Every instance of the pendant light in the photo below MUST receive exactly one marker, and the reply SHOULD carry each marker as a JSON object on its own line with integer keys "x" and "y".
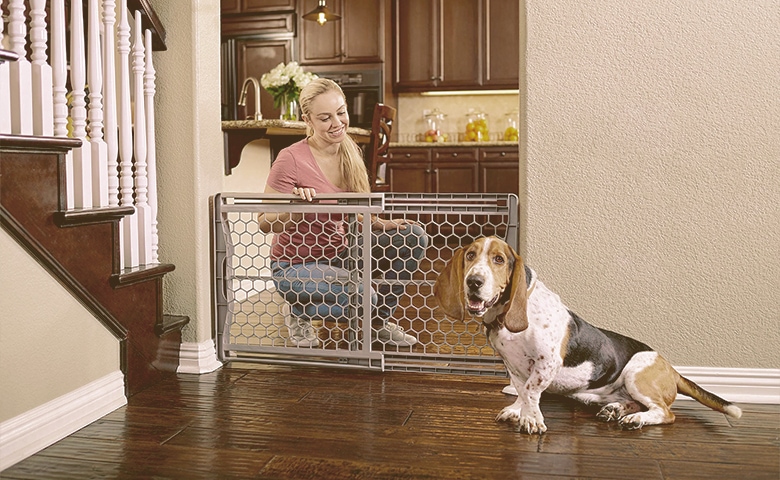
{"x": 321, "y": 14}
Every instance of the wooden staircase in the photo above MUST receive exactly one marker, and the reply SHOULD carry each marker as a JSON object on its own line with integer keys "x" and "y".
{"x": 80, "y": 248}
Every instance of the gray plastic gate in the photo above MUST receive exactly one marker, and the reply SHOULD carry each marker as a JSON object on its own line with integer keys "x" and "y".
{"x": 253, "y": 320}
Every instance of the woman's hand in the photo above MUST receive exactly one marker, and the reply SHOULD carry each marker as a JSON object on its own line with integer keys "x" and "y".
{"x": 305, "y": 193}
{"x": 391, "y": 224}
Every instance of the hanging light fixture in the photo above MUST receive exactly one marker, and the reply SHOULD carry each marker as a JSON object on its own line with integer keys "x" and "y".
{"x": 321, "y": 14}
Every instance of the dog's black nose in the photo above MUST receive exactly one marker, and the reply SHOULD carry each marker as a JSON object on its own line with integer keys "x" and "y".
{"x": 474, "y": 282}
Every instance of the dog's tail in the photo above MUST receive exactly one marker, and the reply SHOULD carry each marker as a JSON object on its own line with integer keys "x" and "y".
{"x": 687, "y": 387}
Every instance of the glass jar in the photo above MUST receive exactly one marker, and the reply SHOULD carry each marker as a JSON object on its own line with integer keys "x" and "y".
{"x": 511, "y": 123}
{"x": 477, "y": 127}
{"x": 436, "y": 127}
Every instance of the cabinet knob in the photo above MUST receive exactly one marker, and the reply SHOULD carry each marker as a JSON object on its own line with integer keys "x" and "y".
{"x": 503, "y": 154}
{"x": 454, "y": 154}
{"x": 408, "y": 155}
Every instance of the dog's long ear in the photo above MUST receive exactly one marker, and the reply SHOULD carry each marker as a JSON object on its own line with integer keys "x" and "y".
{"x": 515, "y": 313}
{"x": 448, "y": 288}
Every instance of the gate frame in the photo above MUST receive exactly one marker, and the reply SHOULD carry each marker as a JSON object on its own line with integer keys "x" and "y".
{"x": 360, "y": 353}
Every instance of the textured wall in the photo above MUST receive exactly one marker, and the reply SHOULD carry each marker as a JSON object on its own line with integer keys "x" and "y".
{"x": 189, "y": 156}
{"x": 50, "y": 344}
{"x": 653, "y": 170}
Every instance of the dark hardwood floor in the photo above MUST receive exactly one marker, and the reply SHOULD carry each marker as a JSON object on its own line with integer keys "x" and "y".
{"x": 280, "y": 422}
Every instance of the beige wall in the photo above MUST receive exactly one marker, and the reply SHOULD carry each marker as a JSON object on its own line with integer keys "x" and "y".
{"x": 653, "y": 170}
{"x": 189, "y": 156}
{"x": 50, "y": 344}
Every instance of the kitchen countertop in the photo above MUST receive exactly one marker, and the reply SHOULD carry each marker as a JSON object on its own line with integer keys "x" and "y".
{"x": 491, "y": 143}
{"x": 282, "y": 127}
{"x": 281, "y": 133}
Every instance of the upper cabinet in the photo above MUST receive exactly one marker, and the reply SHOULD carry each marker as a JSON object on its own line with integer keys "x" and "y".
{"x": 255, "y": 6}
{"x": 356, "y": 38}
{"x": 455, "y": 44}
{"x": 257, "y": 35}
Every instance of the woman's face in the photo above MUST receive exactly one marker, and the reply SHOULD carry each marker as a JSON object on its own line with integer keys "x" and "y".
{"x": 328, "y": 117}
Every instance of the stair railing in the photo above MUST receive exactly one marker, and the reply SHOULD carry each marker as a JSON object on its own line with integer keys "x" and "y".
{"x": 101, "y": 91}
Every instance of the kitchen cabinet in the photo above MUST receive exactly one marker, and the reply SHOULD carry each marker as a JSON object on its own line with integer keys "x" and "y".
{"x": 356, "y": 38}
{"x": 499, "y": 170}
{"x": 255, "y": 6}
{"x": 419, "y": 170}
{"x": 453, "y": 169}
{"x": 251, "y": 46}
{"x": 455, "y": 44}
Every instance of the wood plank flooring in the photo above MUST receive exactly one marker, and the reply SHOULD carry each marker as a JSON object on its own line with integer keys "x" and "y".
{"x": 290, "y": 422}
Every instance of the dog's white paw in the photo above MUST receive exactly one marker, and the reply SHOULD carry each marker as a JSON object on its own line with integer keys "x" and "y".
{"x": 611, "y": 412}
{"x": 526, "y": 421}
{"x": 634, "y": 421}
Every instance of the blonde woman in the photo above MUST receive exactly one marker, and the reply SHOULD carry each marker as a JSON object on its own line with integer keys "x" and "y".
{"x": 308, "y": 252}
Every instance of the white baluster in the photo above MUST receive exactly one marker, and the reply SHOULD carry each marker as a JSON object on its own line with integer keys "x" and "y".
{"x": 151, "y": 149}
{"x": 5, "y": 88}
{"x": 95, "y": 74}
{"x": 20, "y": 72}
{"x": 141, "y": 180}
{"x": 43, "y": 116}
{"x": 109, "y": 100}
{"x": 129, "y": 224}
{"x": 82, "y": 160}
{"x": 59, "y": 64}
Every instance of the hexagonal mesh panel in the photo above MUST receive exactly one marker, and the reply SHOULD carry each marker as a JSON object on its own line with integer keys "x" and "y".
{"x": 368, "y": 301}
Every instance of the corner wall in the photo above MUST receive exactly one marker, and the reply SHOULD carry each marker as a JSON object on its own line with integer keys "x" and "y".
{"x": 653, "y": 171}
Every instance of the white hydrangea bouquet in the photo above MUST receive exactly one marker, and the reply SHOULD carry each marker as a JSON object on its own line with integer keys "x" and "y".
{"x": 284, "y": 83}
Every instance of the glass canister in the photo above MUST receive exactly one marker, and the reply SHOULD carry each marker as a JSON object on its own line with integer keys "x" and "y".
{"x": 511, "y": 122}
{"x": 477, "y": 126}
{"x": 436, "y": 127}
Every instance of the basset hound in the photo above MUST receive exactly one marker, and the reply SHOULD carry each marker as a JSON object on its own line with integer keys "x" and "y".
{"x": 547, "y": 347}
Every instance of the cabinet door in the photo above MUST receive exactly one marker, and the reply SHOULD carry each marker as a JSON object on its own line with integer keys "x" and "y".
{"x": 408, "y": 170}
{"x": 253, "y": 59}
{"x": 459, "y": 49}
{"x": 499, "y": 170}
{"x": 454, "y": 170}
{"x": 356, "y": 38}
{"x": 319, "y": 44}
{"x": 267, "y": 5}
{"x": 363, "y": 31}
{"x": 502, "y": 44}
{"x": 416, "y": 43}
{"x": 229, "y": 6}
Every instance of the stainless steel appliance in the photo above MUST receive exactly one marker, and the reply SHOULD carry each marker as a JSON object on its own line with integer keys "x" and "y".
{"x": 363, "y": 89}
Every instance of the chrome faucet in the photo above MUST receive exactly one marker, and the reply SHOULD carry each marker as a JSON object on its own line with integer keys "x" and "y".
{"x": 242, "y": 98}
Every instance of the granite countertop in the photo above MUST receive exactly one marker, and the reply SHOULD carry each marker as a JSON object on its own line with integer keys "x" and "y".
{"x": 490, "y": 143}
{"x": 281, "y": 127}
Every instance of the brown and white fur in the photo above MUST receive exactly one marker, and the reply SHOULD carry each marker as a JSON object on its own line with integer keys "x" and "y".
{"x": 546, "y": 347}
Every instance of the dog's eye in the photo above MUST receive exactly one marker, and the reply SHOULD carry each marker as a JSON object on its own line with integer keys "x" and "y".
{"x": 498, "y": 260}
{"x": 470, "y": 256}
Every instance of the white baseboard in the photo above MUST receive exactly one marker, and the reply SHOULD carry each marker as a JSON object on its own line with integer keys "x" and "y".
{"x": 198, "y": 357}
{"x": 42, "y": 426}
{"x": 738, "y": 385}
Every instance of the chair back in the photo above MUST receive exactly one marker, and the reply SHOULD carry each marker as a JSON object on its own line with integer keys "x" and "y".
{"x": 379, "y": 144}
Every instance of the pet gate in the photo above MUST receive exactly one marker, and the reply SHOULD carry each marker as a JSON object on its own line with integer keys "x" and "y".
{"x": 258, "y": 315}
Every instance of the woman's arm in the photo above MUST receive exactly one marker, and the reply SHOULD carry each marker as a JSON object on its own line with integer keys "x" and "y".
{"x": 278, "y": 222}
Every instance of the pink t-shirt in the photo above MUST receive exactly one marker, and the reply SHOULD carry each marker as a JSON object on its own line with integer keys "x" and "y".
{"x": 317, "y": 236}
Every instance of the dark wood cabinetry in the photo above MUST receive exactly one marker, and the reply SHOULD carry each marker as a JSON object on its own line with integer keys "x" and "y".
{"x": 253, "y": 42}
{"x": 499, "y": 170}
{"x": 356, "y": 38}
{"x": 255, "y": 6}
{"x": 453, "y": 169}
{"x": 455, "y": 44}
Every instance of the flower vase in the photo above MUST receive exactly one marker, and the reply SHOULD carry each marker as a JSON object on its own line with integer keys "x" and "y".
{"x": 289, "y": 107}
